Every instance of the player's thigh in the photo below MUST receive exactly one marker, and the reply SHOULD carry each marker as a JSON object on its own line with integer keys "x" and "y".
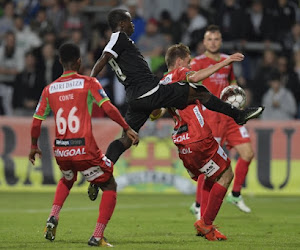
{"x": 136, "y": 119}
{"x": 173, "y": 95}
{"x": 68, "y": 170}
{"x": 235, "y": 134}
{"x": 226, "y": 177}
{"x": 245, "y": 151}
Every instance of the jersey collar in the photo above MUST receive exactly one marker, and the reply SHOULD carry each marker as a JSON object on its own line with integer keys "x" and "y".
{"x": 68, "y": 73}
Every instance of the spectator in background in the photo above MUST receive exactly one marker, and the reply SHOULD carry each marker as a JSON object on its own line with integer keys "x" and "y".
{"x": 285, "y": 18}
{"x": 50, "y": 65}
{"x": 261, "y": 23}
{"x": 28, "y": 87}
{"x": 195, "y": 28}
{"x": 168, "y": 27}
{"x": 231, "y": 18}
{"x": 25, "y": 38}
{"x": 41, "y": 25}
{"x": 138, "y": 21}
{"x": 7, "y": 20}
{"x": 263, "y": 74}
{"x": 288, "y": 76}
{"x": 27, "y": 8}
{"x": 152, "y": 45}
{"x": 11, "y": 63}
{"x": 56, "y": 14}
{"x": 79, "y": 40}
{"x": 279, "y": 102}
{"x": 74, "y": 20}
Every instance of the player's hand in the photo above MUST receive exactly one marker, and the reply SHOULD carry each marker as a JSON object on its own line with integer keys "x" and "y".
{"x": 32, "y": 154}
{"x": 236, "y": 57}
{"x": 133, "y": 136}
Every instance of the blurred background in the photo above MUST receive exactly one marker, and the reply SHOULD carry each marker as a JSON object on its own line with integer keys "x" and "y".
{"x": 267, "y": 32}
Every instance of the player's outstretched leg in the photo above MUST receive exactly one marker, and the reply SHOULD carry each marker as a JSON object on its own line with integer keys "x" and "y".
{"x": 62, "y": 191}
{"x": 106, "y": 209}
{"x": 248, "y": 114}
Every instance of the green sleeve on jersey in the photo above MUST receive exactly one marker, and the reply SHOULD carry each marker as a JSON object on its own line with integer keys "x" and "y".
{"x": 91, "y": 100}
{"x": 46, "y": 113}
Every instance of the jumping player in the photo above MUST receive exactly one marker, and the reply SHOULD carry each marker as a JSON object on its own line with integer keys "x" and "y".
{"x": 71, "y": 97}
{"x": 199, "y": 151}
{"x": 143, "y": 91}
{"x": 223, "y": 127}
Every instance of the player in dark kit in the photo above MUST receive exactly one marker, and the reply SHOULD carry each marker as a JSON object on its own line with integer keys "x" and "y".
{"x": 71, "y": 97}
{"x": 143, "y": 91}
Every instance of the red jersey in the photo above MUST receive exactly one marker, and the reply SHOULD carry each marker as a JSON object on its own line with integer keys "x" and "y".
{"x": 70, "y": 98}
{"x": 220, "y": 79}
{"x": 189, "y": 123}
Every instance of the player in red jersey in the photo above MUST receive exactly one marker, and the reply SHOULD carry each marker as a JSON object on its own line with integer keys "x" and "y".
{"x": 224, "y": 128}
{"x": 70, "y": 98}
{"x": 200, "y": 152}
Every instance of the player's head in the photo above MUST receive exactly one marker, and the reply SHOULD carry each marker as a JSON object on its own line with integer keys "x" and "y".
{"x": 69, "y": 56}
{"x": 178, "y": 55}
{"x": 120, "y": 20}
{"x": 212, "y": 39}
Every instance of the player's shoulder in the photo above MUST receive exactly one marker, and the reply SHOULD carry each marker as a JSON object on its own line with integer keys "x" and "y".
{"x": 200, "y": 57}
{"x": 224, "y": 56}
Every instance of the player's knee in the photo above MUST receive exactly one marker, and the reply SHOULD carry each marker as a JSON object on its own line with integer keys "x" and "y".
{"x": 126, "y": 142}
{"x": 247, "y": 155}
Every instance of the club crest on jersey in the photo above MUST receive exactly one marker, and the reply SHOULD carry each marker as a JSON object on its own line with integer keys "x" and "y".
{"x": 166, "y": 80}
{"x": 102, "y": 93}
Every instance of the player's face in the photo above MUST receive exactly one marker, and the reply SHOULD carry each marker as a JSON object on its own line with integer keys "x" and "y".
{"x": 186, "y": 62}
{"x": 127, "y": 25}
{"x": 212, "y": 41}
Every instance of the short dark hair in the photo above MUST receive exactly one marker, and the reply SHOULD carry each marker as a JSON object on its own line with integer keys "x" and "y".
{"x": 69, "y": 53}
{"x": 213, "y": 28}
{"x": 177, "y": 50}
{"x": 115, "y": 17}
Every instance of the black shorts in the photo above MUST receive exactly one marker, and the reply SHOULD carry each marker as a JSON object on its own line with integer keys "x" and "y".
{"x": 173, "y": 95}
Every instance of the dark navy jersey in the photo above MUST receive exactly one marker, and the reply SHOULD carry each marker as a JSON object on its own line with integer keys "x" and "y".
{"x": 130, "y": 66}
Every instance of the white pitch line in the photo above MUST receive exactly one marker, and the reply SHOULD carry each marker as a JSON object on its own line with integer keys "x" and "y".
{"x": 70, "y": 209}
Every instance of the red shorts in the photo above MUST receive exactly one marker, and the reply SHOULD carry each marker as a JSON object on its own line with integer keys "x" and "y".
{"x": 225, "y": 129}
{"x": 204, "y": 157}
{"x": 97, "y": 170}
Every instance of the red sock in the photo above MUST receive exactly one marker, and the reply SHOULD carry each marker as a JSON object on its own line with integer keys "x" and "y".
{"x": 215, "y": 201}
{"x": 206, "y": 188}
{"x": 199, "y": 188}
{"x": 107, "y": 206}
{"x": 241, "y": 171}
{"x": 62, "y": 191}
{"x": 106, "y": 209}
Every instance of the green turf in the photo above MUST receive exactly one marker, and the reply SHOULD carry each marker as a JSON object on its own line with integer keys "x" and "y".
{"x": 148, "y": 222}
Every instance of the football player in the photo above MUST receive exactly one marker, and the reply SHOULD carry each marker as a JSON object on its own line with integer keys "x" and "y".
{"x": 70, "y": 98}
{"x": 199, "y": 151}
{"x": 224, "y": 129}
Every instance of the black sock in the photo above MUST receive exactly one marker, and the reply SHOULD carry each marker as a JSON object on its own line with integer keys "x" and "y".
{"x": 236, "y": 194}
{"x": 216, "y": 104}
{"x": 114, "y": 150}
{"x": 197, "y": 204}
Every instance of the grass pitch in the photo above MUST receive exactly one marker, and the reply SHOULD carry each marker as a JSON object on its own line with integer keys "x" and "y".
{"x": 159, "y": 221}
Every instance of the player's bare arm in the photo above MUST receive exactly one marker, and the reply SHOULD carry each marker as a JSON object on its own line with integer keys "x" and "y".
{"x": 204, "y": 73}
{"x": 35, "y": 133}
{"x": 101, "y": 62}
